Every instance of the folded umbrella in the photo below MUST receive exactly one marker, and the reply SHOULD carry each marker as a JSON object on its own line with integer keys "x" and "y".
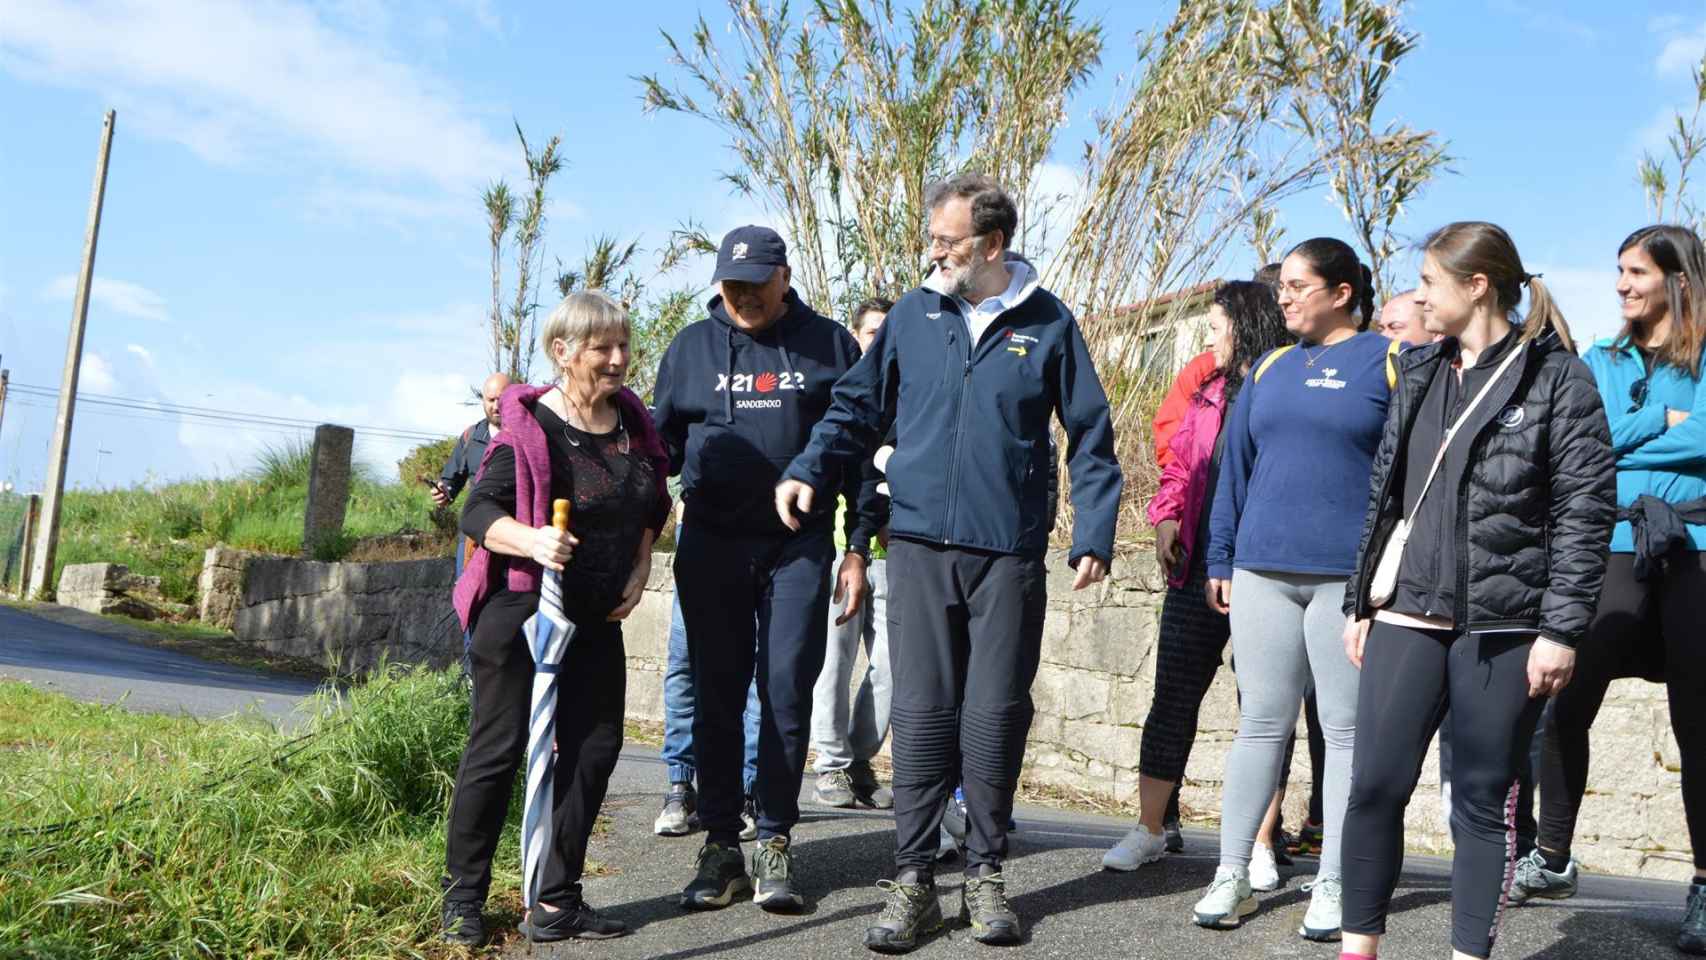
{"x": 548, "y": 635}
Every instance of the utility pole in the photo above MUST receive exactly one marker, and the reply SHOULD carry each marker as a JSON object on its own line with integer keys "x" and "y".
{"x": 53, "y": 493}
{"x": 5, "y": 378}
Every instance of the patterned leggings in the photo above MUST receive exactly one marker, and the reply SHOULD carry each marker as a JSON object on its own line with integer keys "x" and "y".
{"x": 1192, "y": 639}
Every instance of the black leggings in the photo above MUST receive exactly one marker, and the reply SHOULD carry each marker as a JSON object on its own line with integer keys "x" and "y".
{"x": 1649, "y": 629}
{"x": 1409, "y": 678}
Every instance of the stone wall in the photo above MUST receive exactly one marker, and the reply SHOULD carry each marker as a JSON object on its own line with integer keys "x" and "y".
{"x": 355, "y": 615}
{"x": 1092, "y": 691}
{"x": 110, "y": 588}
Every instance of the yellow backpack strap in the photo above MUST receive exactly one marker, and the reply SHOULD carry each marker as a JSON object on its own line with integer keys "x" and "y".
{"x": 1265, "y": 364}
{"x": 1392, "y": 365}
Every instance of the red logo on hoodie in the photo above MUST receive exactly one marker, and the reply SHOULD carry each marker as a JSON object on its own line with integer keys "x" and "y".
{"x": 765, "y": 383}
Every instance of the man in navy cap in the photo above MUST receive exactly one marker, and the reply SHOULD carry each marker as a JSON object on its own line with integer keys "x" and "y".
{"x": 737, "y": 396}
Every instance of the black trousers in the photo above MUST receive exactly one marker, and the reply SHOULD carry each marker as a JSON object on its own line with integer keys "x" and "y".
{"x": 589, "y": 740}
{"x": 752, "y": 604}
{"x": 1647, "y": 629}
{"x": 965, "y": 637}
{"x": 1409, "y": 678}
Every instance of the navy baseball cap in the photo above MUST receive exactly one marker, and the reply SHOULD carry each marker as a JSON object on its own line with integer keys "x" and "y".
{"x": 750, "y": 254}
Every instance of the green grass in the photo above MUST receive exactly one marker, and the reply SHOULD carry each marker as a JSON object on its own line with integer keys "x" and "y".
{"x": 184, "y": 844}
{"x": 165, "y": 530}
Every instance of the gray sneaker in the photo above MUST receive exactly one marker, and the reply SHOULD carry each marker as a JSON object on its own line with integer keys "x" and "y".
{"x": 773, "y": 881}
{"x": 1228, "y": 900}
{"x": 868, "y": 789}
{"x": 834, "y": 789}
{"x": 678, "y": 818}
{"x": 1533, "y": 880}
{"x": 910, "y": 912}
{"x": 1692, "y": 937}
{"x": 983, "y": 905}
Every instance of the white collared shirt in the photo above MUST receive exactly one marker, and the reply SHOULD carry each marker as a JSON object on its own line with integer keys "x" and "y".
{"x": 979, "y": 317}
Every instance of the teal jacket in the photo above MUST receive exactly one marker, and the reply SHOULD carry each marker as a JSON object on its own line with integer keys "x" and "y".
{"x": 1669, "y": 463}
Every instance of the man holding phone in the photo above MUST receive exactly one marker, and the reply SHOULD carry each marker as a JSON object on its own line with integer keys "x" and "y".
{"x": 470, "y": 447}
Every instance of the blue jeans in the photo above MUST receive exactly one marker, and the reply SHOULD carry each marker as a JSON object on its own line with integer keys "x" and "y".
{"x": 678, "y": 710}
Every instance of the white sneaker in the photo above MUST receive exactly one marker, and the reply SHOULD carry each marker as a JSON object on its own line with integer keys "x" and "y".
{"x": 1227, "y": 902}
{"x": 1264, "y": 872}
{"x": 1136, "y": 849}
{"x": 1325, "y": 911}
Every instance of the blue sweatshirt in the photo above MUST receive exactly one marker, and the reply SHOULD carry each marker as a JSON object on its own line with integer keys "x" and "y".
{"x": 972, "y": 465}
{"x": 1300, "y": 444}
{"x": 734, "y": 408}
{"x": 1652, "y": 457}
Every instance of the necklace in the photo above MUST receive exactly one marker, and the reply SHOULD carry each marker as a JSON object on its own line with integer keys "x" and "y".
{"x": 1309, "y": 361}
{"x": 568, "y": 434}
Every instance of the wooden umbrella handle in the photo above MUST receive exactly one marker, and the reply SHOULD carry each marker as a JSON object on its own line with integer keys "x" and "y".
{"x": 560, "y": 515}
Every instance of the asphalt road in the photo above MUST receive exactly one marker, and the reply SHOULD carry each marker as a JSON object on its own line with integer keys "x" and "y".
{"x": 98, "y": 668}
{"x": 1072, "y": 908}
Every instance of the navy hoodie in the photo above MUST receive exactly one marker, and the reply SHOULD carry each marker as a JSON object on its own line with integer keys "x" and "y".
{"x": 734, "y": 408}
{"x": 972, "y": 465}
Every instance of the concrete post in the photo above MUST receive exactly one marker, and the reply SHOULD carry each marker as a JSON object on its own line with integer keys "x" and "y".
{"x": 32, "y": 518}
{"x": 328, "y": 488}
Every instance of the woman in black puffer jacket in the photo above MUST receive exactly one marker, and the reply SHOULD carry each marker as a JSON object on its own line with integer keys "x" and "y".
{"x": 1510, "y": 514}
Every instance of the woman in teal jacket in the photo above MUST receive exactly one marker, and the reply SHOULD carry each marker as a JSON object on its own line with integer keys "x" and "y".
{"x": 1652, "y": 609}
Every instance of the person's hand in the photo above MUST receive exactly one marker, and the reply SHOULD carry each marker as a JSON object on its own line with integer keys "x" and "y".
{"x": 1169, "y": 552}
{"x": 552, "y": 548}
{"x": 439, "y": 496}
{"x": 1219, "y": 595}
{"x": 1356, "y": 635}
{"x": 850, "y": 583}
{"x": 1674, "y": 417}
{"x": 793, "y": 500}
{"x": 1550, "y": 665}
{"x": 1090, "y": 570}
{"x": 635, "y": 590}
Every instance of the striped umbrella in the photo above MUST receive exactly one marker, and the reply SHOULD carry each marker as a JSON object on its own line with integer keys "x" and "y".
{"x": 548, "y": 635}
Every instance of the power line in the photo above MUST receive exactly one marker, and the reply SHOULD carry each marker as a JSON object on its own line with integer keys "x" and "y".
{"x": 212, "y": 415}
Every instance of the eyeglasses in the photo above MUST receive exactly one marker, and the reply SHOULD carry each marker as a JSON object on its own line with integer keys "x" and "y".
{"x": 948, "y": 244}
{"x": 1297, "y": 291}
{"x": 1637, "y": 395}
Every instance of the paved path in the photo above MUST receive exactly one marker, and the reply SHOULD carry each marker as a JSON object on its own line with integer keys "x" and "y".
{"x": 91, "y": 666}
{"x": 1073, "y": 909}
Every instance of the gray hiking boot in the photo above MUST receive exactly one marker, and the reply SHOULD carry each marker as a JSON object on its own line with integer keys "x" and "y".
{"x": 983, "y": 905}
{"x": 772, "y": 874}
{"x": 910, "y": 912}
{"x": 1533, "y": 880}
{"x": 834, "y": 789}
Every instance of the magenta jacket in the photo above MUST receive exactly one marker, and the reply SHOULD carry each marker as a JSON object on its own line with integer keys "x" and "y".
{"x": 480, "y": 578}
{"x": 1184, "y": 492}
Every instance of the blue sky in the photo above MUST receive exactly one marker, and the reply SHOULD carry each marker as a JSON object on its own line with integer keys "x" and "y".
{"x": 292, "y": 223}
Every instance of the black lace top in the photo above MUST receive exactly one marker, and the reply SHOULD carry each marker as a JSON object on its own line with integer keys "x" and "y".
{"x": 612, "y": 496}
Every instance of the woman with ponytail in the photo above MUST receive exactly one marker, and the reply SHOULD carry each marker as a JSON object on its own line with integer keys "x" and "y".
{"x": 1293, "y": 482}
{"x": 1480, "y": 564}
{"x": 1653, "y": 604}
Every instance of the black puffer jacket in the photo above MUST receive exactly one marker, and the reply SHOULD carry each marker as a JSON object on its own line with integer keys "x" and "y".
{"x": 1535, "y": 508}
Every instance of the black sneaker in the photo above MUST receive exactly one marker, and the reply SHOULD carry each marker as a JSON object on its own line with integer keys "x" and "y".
{"x": 983, "y": 905}
{"x": 679, "y": 816}
{"x": 773, "y": 883}
{"x": 576, "y": 921}
{"x": 1692, "y": 937}
{"x": 463, "y": 924}
{"x": 910, "y": 912}
{"x": 868, "y": 789}
{"x": 721, "y": 877}
{"x": 1174, "y": 837}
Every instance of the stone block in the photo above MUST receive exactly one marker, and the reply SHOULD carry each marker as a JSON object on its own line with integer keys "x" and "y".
{"x": 328, "y": 487}
{"x": 1099, "y": 741}
{"x": 1105, "y": 639}
{"x": 1083, "y": 695}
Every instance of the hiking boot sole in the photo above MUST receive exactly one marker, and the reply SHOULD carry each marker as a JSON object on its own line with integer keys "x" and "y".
{"x": 999, "y": 933}
{"x": 1318, "y": 935}
{"x": 731, "y": 890}
{"x": 1226, "y": 921}
{"x": 1550, "y": 894}
{"x": 779, "y": 901}
{"x": 673, "y": 827}
{"x": 928, "y": 924}
{"x": 840, "y": 803}
{"x": 547, "y": 935}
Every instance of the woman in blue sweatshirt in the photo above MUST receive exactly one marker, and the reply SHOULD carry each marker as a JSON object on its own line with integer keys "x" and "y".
{"x": 1293, "y": 488}
{"x": 1653, "y": 605}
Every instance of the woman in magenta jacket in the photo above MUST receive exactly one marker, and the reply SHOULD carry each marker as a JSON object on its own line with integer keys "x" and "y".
{"x": 1244, "y": 322}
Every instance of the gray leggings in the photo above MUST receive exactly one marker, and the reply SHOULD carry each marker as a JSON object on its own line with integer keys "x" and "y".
{"x": 1286, "y": 630}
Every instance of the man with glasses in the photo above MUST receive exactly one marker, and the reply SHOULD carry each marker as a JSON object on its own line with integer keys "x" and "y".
{"x": 970, "y": 369}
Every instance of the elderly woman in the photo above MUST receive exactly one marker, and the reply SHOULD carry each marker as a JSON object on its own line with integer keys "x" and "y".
{"x": 588, "y": 440}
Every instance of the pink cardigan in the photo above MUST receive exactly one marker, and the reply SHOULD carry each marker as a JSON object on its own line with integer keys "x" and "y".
{"x": 522, "y": 433}
{"x": 1184, "y": 492}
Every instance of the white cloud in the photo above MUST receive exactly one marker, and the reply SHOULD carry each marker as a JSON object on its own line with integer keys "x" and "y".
{"x": 239, "y": 81}
{"x": 1682, "y": 52}
{"x": 119, "y": 296}
{"x": 141, "y": 353}
{"x": 95, "y": 374}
